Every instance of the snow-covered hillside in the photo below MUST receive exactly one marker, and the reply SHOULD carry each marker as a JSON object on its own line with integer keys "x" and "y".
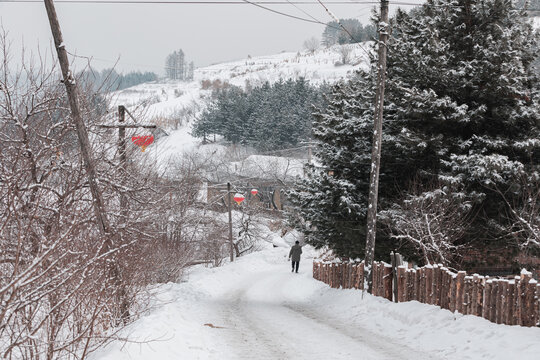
{"x": 169, "y": 97}
{"x": 173, "y": 105}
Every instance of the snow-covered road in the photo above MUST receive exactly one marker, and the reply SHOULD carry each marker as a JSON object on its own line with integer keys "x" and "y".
{"x": 256, "y": 309}
{"x": 262, "y": 323}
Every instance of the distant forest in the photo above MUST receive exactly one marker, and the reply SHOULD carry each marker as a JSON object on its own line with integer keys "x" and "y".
{"x": 110, "y": 80}
{"x": 356, "y": 32}
{"x": 269, "y": 117}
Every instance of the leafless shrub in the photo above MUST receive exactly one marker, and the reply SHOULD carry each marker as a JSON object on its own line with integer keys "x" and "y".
{"x": 431, "y": 219}
{"x": 523, "y": 210}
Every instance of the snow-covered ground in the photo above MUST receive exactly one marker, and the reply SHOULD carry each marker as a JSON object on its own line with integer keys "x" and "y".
{"x": 255, "y": 308}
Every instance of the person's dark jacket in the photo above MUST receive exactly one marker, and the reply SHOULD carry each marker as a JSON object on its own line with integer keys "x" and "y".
{"x": 295, "y": 252}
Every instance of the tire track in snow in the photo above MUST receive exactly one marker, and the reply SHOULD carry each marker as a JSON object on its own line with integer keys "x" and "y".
{"x": 379, "y": 343}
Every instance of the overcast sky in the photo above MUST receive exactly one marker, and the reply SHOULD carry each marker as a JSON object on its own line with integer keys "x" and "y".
{"x": 142, "y": 35}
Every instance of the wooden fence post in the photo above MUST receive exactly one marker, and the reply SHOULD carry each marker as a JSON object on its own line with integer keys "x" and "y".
{"x": 460, "y": 287}
{"x": 437, "y": 278}
{"x": 494, "y": 292}
{"x": 374, "y": 279}
{"x": 452, "y": 291}
{"x": 429, "y": 285}
{"x": 527, "y": 299}
{"x": 388, "y": 280}
{"x": 487, "y": 299}
{"x": 502, "y": 308}
{"x": 467, "y": 295}
{"x": 401, "y": 283}
{"x": 510, "y": 302}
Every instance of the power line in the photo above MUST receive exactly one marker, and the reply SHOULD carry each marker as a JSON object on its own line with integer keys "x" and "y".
{"x": 230, "y": 2}
{"x": 281, "y": 13}
{"x": 189, "y": 2}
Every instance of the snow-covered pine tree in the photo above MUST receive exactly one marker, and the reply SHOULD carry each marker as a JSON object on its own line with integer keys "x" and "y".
{"x": 465, "y": 108}
{"x": 331, "y": 201}
{"x": 461, "y": 112}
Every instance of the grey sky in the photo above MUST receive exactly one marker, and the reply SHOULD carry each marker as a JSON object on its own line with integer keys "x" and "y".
{"x": 142, "y": 35}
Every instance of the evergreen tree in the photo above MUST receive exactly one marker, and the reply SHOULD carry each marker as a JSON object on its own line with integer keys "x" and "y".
{"x": 464, "y": 100}
{"x": 332, "y": 199}
{"x": 268, "y": 117}
{"x": 461, "y": 112}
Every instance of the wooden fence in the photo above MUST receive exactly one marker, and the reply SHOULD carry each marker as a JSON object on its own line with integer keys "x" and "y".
{"x": 502, "y": 301}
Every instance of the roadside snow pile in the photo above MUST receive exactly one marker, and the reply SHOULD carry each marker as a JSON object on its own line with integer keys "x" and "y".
{"x": 255, "y": 308}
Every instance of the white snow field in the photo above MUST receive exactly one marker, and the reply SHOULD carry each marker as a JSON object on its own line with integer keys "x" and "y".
{"x": 255, "y": 308}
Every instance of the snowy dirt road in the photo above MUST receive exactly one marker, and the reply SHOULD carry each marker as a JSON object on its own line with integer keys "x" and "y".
{"x": 262, "y": 324}
{"x": 256, "y": 308}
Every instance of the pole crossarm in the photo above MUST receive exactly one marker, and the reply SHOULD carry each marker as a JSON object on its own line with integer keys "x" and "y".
{"x": 126, "y": 126}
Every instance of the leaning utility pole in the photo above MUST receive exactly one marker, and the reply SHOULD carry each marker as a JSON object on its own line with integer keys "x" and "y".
{"x": 377, "y": 139}
{"x": 86, "y": 152}
{"x": 230, "y": 220}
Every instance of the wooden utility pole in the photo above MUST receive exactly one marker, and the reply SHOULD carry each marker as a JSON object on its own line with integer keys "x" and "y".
{"x": 123, "y": 161}
{"x": 86, "y": 152}
{"x": 230, "y": 221}
{"x": 121, "y": 126}
{"x": 377, "y": 139}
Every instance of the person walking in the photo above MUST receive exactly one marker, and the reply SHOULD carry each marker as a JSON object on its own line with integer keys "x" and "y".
{"x": 294, "y": 254}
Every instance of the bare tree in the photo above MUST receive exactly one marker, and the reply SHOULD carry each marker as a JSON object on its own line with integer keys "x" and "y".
{"x": 311, "y": 44}
{"x": 59, "y": 298}
{"x": 344, "y": 52}
{"x": 523, "y": 210}
{"x": 432, "y": 221}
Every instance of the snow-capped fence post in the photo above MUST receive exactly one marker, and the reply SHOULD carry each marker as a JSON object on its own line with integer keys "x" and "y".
{"x": 437, "y": 273}
{"x": 351, "y": 275}
{"x": 510, "y": 302}
{"x": 467, "y": 295}
{"x": 537, "y": 306}
{"x": 517, "y": 302}
{"x": 388, "y": 280}
{"x": 360, "y": 284}
{"x": 460, "y": 287}
{"x": 499, "y": 306}
{"x": 452, "y": 306}
{"x": 445, "y": 289}
{"x": 527, "y": 298}
{"x": 429, "y": 285}
{"x": 410, "y": 277}
{"x": 480, "y": 296}
{"x": 493, "y": 301}
{"x": 450, "y": 289}
{"x": 487, "y": 299}
{"x": 374, "y": 278}
{"x": 421, "y": 285}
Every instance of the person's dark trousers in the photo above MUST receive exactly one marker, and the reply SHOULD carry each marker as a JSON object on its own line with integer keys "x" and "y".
{"x": 295, "y": 264}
